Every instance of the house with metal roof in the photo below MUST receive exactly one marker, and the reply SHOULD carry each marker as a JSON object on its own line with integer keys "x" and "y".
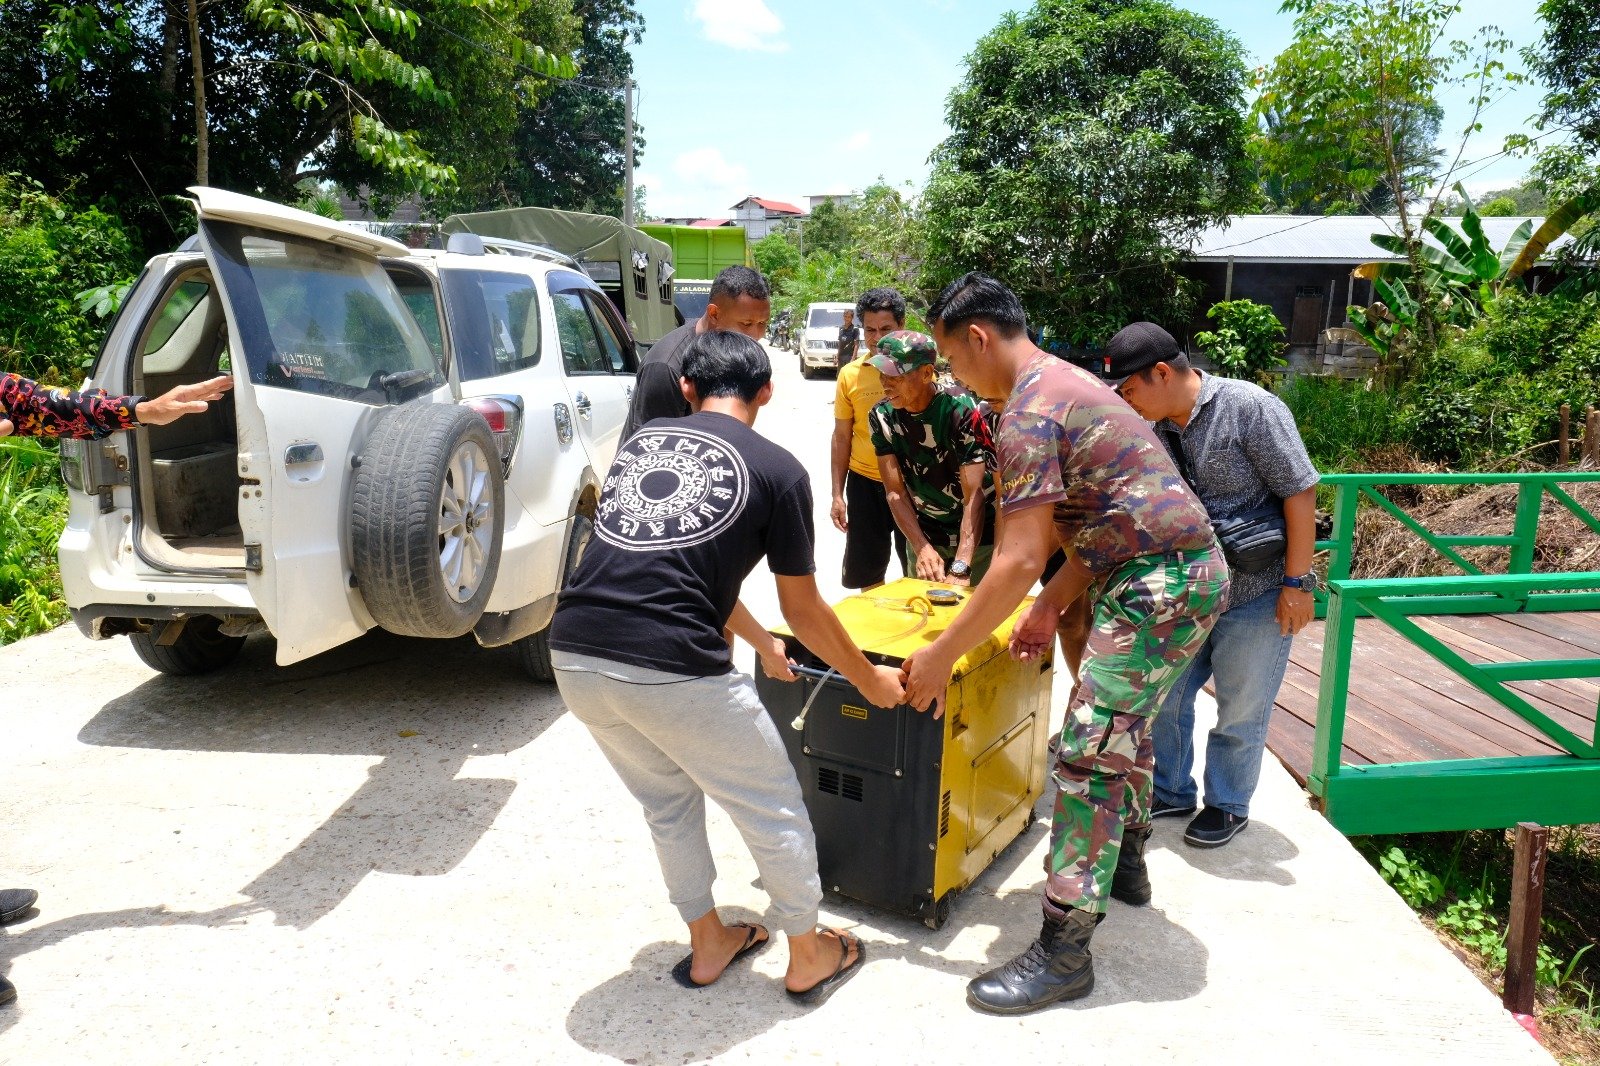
{"x": 760, "y": 217}
{"x": 1301, "y": 265}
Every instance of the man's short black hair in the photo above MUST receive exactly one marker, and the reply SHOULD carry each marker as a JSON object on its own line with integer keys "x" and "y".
{"x": 977, "y": 296}
{"x": 737, "y": 281}
{"x": 720, "y": 362}
{"x": 882, "y": 299}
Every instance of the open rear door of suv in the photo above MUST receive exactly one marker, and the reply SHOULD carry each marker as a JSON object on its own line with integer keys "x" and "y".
{"x": 320, "y": 343}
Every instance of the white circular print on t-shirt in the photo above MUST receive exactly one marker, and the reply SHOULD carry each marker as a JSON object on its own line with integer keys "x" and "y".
{"x": 672, "y": 488}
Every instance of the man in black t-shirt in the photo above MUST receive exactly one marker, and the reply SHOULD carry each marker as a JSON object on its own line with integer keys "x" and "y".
{"x": 740, "y": 301}
{"x": 849, "y": 339}
{"x": 688, "y": 508}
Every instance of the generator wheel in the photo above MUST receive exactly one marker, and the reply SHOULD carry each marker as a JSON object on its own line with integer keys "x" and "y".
{"x": 427, "y": 509}
{"x": 935, "y": 917}
{"x": 534, "y": 650}
{"x": 199, "y": 649}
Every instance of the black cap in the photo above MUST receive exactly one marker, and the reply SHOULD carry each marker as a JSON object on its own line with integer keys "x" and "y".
{"x": 1137, "y": 347}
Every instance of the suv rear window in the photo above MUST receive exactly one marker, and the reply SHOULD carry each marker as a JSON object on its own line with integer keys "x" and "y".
{"x": 494, "y": 321}
{"x": 316, "y": 318}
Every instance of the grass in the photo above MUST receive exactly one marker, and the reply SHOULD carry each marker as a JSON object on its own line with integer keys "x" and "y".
{"x": 32, "y": 513}
{"x": 1341, "y": 421}
{"x": 1460, "y": 884}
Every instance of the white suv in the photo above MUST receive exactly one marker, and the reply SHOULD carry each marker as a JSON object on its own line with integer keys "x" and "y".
{"x": 415, "y": 441}
{"x": 820, "y": 337}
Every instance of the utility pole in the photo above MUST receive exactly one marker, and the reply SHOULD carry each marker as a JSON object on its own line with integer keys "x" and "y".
{"x": 627, "y": 152}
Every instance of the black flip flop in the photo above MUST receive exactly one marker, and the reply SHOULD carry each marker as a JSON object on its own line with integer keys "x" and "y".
{"x": 818, "y": 994}
{"x": 680, "y": 972}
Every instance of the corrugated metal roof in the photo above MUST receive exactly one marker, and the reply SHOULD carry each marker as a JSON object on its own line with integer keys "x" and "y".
{"x": 1318, "y": 239}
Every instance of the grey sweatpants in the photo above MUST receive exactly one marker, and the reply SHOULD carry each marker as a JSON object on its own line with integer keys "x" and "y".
{"x": 674, "y": 740}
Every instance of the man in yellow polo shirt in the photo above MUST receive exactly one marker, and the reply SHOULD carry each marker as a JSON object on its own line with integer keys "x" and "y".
{"x": 860, "y": 507}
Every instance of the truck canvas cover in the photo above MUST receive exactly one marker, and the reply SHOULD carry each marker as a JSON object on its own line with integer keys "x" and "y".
{"x": 635, "y": 270}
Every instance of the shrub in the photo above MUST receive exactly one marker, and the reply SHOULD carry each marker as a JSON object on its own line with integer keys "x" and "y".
{"x": 1494, "y": 391}
{"x": 49, "y": 253}
{"x": 1341, "y": 420}
{"x": 32, "y": 512}
{"x": 1248, "y": 341}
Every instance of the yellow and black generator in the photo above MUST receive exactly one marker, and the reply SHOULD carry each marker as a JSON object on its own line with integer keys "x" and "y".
{"x": 909, "y": 809}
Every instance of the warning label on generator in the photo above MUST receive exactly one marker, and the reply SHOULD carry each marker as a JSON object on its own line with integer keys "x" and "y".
{"x": 853, "y": 712}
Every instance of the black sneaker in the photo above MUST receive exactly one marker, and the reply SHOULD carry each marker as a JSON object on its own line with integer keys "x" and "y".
{"x": 1213, "y": 827}
{"x": 1160, "y": 809}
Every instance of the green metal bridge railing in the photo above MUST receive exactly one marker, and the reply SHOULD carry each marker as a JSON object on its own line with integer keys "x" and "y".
{"x": 1532, "y": 488}
{"x": 1559, "y": 789}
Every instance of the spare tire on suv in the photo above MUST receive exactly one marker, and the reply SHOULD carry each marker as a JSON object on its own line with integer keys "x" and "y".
{"x": 427, "y": 510}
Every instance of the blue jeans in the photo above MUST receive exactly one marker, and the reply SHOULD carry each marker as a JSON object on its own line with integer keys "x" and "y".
{"x": 1247, "y": 654}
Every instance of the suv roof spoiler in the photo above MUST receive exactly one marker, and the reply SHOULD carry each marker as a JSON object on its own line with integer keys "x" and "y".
{"x": 476, "y": 244}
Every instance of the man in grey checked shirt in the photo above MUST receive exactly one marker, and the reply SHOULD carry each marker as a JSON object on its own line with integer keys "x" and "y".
{"x": 1241, "y": 452}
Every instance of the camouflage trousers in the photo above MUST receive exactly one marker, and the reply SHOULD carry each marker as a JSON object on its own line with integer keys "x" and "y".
{"x": 1150, "y": 618}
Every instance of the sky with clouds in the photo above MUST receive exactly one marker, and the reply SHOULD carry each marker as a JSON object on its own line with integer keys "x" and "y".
{"x": 787, "y": 98}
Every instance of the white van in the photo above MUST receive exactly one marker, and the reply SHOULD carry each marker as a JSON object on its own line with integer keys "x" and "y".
{"x": 819, "y": 344}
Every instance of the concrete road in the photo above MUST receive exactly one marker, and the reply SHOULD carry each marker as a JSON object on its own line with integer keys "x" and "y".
{"x": 404, "y": 852}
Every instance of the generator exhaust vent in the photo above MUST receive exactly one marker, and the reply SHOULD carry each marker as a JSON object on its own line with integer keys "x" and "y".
{"x": 828, "y": 780}
{"x": 944, "y": 814}
{"x": 854, "y": 788}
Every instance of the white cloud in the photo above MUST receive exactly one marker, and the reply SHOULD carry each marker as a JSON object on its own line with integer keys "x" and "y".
{"x": 747, "y": 25}
{"x": 700, "y": 182}
{"x": 859, "y": 141}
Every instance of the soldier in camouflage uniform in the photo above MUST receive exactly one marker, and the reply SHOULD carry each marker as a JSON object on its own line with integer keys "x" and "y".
{"x": 1079, "y": 470}
{"x": 934, "y": 452}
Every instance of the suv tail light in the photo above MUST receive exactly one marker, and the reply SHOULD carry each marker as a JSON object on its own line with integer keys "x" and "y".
{"x": 504, "y": 415}
{"x": 73, "y": 455}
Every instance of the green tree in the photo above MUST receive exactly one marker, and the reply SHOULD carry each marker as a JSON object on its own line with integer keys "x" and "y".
{"x": 830, "y": 228}
{"x": 1294, "y": 190}
{"x": 1567, "y": 61}
{"x": 568, "y": 143}
{"x": 103, "y": 99}
{"x": 1353, "y": 91}
{"x": 1091, "y": 140}
{"x": 776, "y": 257}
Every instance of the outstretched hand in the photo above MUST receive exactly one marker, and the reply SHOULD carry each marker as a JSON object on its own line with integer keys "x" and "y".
{"x": 926, "y": 676}
{"x": 775, "y": 661}
{"x": 183, "y": 400}
{"x": 1035, "y": 630}
{"x": 885, "y": 689}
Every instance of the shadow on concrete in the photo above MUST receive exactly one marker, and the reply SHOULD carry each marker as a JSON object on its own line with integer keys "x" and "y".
{"x": 423, "y": 707}
{"x": 1258, "y": 853}
{"x": 18, "y": 939}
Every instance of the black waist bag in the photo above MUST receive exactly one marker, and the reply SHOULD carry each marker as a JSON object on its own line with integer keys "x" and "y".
{"x": 1251, "y": 542}
{"x": 1254, "y": 541}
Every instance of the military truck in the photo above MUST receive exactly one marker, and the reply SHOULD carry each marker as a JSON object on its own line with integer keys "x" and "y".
{"x": 634, "y": 269}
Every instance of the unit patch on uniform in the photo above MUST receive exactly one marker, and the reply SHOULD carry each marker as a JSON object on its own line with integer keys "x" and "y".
{"x": 671, "y": 488}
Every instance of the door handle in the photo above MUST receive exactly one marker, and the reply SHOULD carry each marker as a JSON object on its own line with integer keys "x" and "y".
{"x": 296, "y": 454}
{"x": 584, "y": 406}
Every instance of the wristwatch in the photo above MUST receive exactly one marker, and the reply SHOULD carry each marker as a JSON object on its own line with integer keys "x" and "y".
{"x": 959, "y": 569}
{"x": 1305, "y": 582}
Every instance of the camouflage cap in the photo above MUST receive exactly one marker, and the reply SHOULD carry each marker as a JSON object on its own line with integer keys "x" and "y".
{"x": 902, "y": 352}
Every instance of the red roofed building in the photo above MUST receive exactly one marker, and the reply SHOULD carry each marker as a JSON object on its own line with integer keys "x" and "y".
{"x": 760, "y": 217}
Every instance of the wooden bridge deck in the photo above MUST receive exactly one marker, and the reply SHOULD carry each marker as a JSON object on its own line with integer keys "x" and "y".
{"x": 1406, "y": 706}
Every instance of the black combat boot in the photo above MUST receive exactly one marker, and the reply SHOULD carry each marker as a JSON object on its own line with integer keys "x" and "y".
{"x": 1056, "y": 966}
{"x": 1131, "y": 882}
